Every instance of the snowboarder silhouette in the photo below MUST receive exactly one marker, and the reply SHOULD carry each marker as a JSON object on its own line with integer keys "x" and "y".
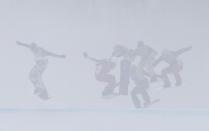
{"x": 147, "y": 55}
{"x": 175, "y": 66}
{"x": 102, "y": 74}
{"x": 120, "y": 51}
{"x": 41, "y": 63}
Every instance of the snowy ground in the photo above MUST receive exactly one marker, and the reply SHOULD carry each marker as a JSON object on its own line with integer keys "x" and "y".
{"x": 103, "y": 120}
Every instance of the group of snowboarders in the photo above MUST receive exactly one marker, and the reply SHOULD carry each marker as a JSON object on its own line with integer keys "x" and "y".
{"x": 138, "y": 65}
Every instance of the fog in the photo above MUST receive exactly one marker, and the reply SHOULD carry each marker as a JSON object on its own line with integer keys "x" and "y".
{"x": 72, "y": 27}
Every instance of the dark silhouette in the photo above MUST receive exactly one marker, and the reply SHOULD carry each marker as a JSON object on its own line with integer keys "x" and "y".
{"x": 102, "y": 74}
{"x": 147, "y": 55}
{"x": 125, "y": 66}
{"x": 141, "y": 82}
{"x": 41, "y": 60}
{"x": 175, "y": 66}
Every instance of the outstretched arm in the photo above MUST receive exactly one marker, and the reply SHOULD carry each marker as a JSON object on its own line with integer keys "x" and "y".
{"x": 183, "y": 50}
{"x": 55, "y": 55}
{"x": 23, "y": 44}
{"x": 91, "y": 58}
